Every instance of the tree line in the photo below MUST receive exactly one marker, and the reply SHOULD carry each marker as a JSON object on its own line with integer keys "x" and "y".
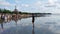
{"x": 7, "y": 11}
{"x": 11, "y": 12}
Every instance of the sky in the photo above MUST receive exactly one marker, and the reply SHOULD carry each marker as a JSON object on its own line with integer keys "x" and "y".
{"x": 33, "y": 6}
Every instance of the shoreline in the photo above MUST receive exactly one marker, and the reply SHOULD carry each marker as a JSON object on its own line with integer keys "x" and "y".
{"x": 9, "y": 16}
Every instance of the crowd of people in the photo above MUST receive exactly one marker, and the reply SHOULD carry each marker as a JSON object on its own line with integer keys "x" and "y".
{"x": 5, "y": 16}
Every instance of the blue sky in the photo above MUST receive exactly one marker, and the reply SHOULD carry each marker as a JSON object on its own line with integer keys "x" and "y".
{"x": 39, "y": 6}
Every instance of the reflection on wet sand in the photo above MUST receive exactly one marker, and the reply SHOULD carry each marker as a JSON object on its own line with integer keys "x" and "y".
{"x": 2, "y": 25}
{"x": 15, "y": 20}
{"x": 33, "y": 29}
{"x": 1, "y": 22}
{"x": 29, "y": 29}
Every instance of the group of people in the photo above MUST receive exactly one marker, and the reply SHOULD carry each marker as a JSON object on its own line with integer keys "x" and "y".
{"x": 3, "y": 16}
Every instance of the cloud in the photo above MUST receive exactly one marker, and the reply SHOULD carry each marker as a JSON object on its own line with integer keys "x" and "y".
{"x": 52, "y": 1}
{"x": 17, "y": 1}
{"x": 51, "y": 6}
{"x": 5, "y": 3}
{"x": 35, "y": 6}
{"x": 25, "y": 5}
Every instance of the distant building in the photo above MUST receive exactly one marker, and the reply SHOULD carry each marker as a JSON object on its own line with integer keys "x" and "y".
{"x": 15, "y": 11}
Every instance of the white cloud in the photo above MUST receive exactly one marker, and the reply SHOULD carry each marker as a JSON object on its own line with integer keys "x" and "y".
{"x": 3, "y": 2}
{"x": 37, "y": 4}
{"x": 17, "y": 1}
{"x": 25, "y": 5}
{"x": 50, "y": 6}
{"x": 52, "y": 2}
